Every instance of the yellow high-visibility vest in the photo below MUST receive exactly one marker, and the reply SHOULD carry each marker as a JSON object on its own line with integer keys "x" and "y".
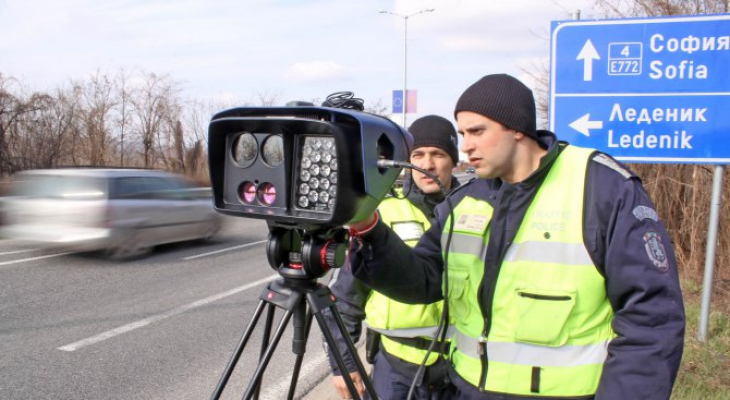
{"x": 393, "y": 318}
{"x": 550, "y": 315}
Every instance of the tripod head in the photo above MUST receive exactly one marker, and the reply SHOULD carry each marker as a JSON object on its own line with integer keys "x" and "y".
{"x": 306, "y": 254}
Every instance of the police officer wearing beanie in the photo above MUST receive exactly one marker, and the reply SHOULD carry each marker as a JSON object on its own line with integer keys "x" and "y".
{"x": 399, "y": 334}
{"x": 561, "y": 281}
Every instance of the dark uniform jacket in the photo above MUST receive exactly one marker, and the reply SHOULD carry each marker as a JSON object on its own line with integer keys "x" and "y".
{"x": 352, "y": 294}
{"x": 620, "y": 231}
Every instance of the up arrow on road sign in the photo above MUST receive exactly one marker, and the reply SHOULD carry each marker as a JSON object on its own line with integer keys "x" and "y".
{"x": 588, "y": 54}
{"x": 584, "y": 125}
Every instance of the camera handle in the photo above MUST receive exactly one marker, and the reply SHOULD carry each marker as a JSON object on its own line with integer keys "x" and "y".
{"x": 303, "y": 299}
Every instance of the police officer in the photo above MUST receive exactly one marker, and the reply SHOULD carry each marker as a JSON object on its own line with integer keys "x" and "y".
{"x": 404, "y": 331}
{"x": 561, "y": 280}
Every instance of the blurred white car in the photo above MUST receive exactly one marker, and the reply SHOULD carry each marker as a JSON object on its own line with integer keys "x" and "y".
{"x": 124, "y": 212}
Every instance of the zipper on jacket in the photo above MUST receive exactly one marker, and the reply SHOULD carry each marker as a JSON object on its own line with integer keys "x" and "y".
{"x": 490, "y": 288}
{"x": 485, "y": 362}
{"x": 543, "y": 296}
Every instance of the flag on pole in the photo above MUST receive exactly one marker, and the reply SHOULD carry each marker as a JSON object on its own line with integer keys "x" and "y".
{"x": 398, "y": 101}
{"x": 412, "y": 101}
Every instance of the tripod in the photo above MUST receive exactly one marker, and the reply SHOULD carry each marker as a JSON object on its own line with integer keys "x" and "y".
{"x": 302, "y": 299}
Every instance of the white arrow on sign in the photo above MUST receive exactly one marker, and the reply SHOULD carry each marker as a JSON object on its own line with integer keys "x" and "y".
{"x": 584, "y": 125}
{"x": 588, "y": 53}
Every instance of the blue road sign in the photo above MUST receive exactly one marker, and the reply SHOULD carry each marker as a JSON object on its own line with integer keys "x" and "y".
{"x": 644, "y": 90}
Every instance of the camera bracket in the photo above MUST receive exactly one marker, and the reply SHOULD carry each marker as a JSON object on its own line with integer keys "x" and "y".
{"x": 306, "y": 254}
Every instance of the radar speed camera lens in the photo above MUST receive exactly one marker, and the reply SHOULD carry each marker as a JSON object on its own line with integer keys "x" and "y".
{"x": 245, "y": 149}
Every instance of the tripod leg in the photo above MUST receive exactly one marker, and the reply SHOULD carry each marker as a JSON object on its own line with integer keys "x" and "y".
{"x": 256, "y": 380}
{"x": 270, "y": 311}
{"x": 302, "y": 323}
{"x": 237, "y": 353}
{"x": 332, "y": 344}
{"x": 351, "y": 348}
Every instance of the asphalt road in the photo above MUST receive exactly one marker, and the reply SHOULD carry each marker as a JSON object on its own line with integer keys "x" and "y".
{"x": 78, "y": 326}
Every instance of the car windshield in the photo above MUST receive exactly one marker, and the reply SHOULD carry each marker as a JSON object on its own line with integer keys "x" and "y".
{"x": 59, "y": 186}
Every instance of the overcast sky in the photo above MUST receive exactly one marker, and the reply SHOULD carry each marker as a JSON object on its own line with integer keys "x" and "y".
{"x": 293, "y": 50}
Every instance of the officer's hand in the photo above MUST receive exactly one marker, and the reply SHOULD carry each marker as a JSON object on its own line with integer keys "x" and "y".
{"x": 360, "y": 226}
{"x": 341, "y": 386}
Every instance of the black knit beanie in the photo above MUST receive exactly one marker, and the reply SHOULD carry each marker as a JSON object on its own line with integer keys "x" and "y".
{"x": 435, "y": 131}
{"x": 501, "y": 98}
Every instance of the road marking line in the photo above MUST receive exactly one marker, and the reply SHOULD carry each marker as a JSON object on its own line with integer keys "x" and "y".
{"x": 147, "y": 321}
{"x": 223, "y": 250}
{"x": 315, "y": 368}
{"x": 5, "y": 263}
{"x": 17, "y": 251}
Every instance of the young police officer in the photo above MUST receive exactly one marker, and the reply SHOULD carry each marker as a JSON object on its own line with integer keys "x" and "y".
{"x": 404, "y": 330}
{"x": 562, "y": 282}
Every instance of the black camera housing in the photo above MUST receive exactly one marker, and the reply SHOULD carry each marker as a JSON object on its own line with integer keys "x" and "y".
{"x": 357, "y": 139}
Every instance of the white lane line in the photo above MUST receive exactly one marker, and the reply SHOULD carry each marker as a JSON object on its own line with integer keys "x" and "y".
{"x": 5, "y": 263}
{"x": 315, "y": 369}
{"x": 17, "y": 251}
{"x": 223, "y": 250}
{"x": 156, "y": 318}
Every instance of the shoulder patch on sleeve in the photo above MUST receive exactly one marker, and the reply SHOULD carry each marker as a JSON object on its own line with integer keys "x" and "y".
{"x": 609, "y": 162}
{"x": 644, "y": 212}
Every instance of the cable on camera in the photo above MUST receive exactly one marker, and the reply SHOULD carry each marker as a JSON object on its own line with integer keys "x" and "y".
{"x": 345, "y": 99}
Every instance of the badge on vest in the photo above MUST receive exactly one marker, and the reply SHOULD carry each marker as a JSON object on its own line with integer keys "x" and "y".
{"x": 474, "y": 223}
{"x": 408, "y": 230}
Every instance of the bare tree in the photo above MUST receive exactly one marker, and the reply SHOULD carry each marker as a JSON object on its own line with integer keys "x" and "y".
{"x": 123, "y": 120}
{"x": 179, "y": 147}
{"x": 16, "y": 113}
{"x": 195, "y": 122}
{"x": 194, "y": 160}
{"x": 8, "y": 115}
{"x": 378, "y": 107}
{"x": 656, "y": 8}
{"x": 153, "y": 105}
{"x": 51, "y": 129}
{"x": 98, "y": 103}
{"x": 267, "y": 99}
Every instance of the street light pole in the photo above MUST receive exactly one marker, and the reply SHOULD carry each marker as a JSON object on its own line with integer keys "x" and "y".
{"x": 405, "y": 55}
{"x": 405, "y": 70}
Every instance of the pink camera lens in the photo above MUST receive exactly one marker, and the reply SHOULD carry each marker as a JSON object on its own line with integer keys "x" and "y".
{"x": 267, "y": 194}
{"x": 248, "y": 192}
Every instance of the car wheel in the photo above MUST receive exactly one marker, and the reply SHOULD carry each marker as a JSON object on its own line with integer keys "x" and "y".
{"x": 131, "y": 246}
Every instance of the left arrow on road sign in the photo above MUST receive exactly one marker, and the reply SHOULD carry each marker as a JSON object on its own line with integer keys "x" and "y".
{"x": 584, "y": 125}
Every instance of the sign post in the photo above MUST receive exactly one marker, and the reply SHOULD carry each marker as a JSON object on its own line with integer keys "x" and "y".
{"x": 647, "y": 90}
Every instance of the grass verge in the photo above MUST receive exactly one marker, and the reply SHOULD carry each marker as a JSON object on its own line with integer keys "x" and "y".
{"x": 705, "y": 369}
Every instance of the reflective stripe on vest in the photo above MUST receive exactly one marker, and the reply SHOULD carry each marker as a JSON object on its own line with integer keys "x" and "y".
{"x": 546, "y": 252}
{"x": 528, "y": 354}
{"x": 550, "y": 324}
{"x": 393, "y": 318}
{"x": 429, "y": 332}
{"x": 465, "y": 244}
